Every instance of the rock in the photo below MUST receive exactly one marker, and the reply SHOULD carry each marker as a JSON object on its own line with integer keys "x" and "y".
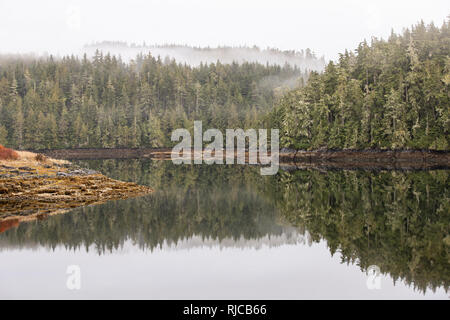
{"x": 25, "y": 193}
{"x": 25, "y": 173}
{"x": 288, "y": 168}
{"x": 77, "y": 172}
{"x": 287, "y": 150}
{"x": 43, "y": 176}
{"x": 26, "y": 169}
{"x": 63, "y": 174}
{"x": 83, "y": 172}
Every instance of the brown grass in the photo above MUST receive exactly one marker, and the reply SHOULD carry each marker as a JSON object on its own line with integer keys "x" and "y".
{"x": 30, "y": 159}
{"x": 8, "y": 154}
{"x": 40, "y": 158}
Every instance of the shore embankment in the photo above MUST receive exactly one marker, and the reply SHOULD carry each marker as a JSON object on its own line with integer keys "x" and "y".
{"x": 339, "y": 159}
{"x": 31, "y": 188}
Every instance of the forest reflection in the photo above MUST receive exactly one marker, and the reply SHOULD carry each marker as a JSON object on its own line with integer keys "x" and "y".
{"x": 399, "y": 221}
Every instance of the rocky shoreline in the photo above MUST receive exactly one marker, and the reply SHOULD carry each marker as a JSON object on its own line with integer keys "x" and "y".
{"x": 37, "y": 190}
{"x": 339, "y": 159}
{"x": 367, "y": 159}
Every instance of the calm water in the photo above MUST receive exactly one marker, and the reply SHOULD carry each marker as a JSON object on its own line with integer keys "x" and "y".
{"x": 213, "y": 232}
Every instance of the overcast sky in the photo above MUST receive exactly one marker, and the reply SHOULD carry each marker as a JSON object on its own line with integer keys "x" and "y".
{"x": 328, "y": 27}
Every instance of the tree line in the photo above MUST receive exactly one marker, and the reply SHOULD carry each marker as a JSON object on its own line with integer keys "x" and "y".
{"x": 104, "y": 102}
{"x": 389, "y": 94}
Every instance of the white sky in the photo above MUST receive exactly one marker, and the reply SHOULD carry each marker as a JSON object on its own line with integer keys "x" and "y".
{"x": 328, "y": 27}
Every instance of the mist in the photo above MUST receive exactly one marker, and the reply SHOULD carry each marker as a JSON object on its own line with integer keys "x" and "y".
{"x": 194, "y": 56}
{"x": 326, "y": 27}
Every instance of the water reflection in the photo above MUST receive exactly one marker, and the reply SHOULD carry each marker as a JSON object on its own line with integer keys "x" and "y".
{"x": 399, "y": 221}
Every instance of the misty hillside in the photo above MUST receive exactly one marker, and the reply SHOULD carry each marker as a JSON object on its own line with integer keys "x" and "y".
{"x": 194, "y": 56}
{"x": 387, "y": 94}
{"x": 105, "y": 102}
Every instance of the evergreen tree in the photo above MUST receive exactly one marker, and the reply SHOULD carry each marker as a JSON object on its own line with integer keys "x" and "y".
{"x": 390, "y": 94}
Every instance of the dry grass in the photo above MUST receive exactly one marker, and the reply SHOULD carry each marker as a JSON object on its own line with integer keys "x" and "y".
{"x": 30, "y": 159}
{"x": 41, "y": 158}
{"x": 8, "y": 154}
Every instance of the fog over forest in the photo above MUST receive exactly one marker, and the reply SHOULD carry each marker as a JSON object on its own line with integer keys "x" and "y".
{"x": 194, "y": 56}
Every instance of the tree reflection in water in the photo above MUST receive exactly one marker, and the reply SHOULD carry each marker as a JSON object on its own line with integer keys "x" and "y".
{"x": 399, "y": 221}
